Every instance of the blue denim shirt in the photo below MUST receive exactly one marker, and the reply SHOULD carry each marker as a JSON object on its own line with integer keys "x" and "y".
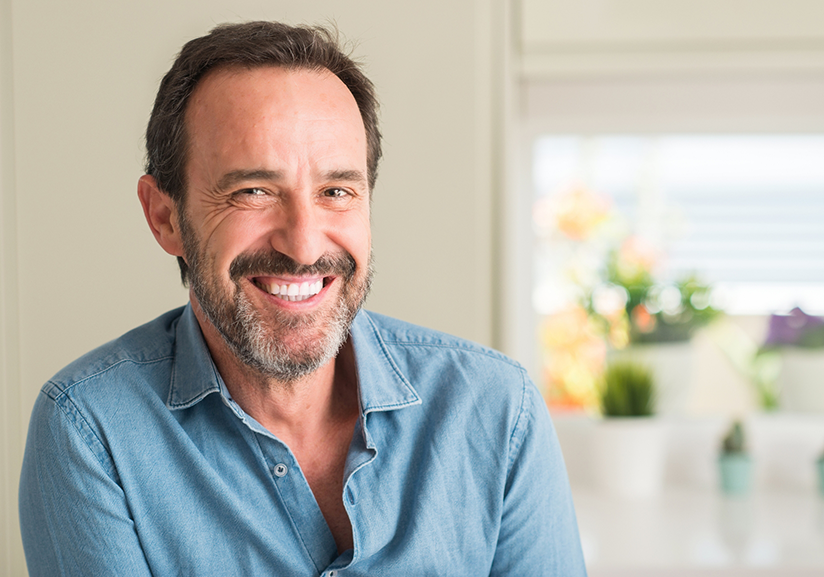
{"x": 138, "y": 462}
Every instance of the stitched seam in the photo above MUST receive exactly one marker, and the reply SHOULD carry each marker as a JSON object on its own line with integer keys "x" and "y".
{"x": 77, "y": 419}
{"x": 191, "y": 402}
{"x": 195, "y": 400}
{"x": 520, "y": 426}
{"x": 64, "y": 391}
{"x": 385, "y": 351}
{"x": 81, "y": 425}
{"x": 488, "y": 354}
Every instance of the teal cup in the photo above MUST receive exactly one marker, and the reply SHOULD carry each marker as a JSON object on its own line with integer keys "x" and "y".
{"x": 736, "y": 474}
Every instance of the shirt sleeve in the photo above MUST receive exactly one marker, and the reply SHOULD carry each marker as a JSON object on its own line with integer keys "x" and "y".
{"x": 539, "y": 531}
{"x": 74, "y": 516}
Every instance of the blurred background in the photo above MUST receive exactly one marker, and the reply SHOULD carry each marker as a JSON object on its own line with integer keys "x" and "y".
{"x": 626, "y": 196}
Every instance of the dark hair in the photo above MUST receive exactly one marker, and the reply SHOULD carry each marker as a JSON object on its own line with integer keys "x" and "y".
{"x": 247, "y": 45}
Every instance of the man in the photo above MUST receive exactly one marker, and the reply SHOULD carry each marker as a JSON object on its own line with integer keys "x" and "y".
{"x": 272, "y": 427}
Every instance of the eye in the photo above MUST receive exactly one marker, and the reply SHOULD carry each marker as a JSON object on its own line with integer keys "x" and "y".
{"x": 335, "y": 192}
{"x": 253, "y": 192}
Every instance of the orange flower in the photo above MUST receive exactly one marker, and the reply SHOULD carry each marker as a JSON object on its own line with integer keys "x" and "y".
{"x": 576, "y": 213}
{"x": 636, "y": 260}
{"x": 642, "y": 319}
{"x": 574, "y": 358}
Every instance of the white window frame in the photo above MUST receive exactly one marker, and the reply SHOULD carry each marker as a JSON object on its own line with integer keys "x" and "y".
{"x": 775, "y": 103}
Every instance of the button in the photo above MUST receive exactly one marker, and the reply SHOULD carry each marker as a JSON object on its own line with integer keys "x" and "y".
{"x": 332, "y": 573}
{"x": 280, "y": 470}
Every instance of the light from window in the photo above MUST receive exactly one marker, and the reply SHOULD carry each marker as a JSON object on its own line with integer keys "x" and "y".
{"x": 743, "y": 212}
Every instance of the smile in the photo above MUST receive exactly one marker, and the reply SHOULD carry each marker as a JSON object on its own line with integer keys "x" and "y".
{"x": 291, "y": 291}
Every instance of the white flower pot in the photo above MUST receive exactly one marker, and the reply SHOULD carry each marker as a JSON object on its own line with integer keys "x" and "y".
{"x": 629, "y": 456}
{"x": 671, "y": 365}
{"x": 801, "y": 380}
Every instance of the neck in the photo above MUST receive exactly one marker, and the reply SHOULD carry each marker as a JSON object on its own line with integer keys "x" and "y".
{"x": 291, "y": 410}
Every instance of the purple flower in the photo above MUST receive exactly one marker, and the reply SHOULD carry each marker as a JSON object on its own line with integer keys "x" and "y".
{"x": 792, "y": 329}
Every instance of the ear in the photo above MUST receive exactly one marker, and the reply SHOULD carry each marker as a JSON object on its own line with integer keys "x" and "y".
{"x": 161, "y": 214}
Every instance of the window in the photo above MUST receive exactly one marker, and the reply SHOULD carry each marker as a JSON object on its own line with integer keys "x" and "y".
{"x": 743, "y": 212}
{"x": 618, "y": 135}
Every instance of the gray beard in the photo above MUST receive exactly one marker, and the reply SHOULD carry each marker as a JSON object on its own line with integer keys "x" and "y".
{"x": 257, "y": 342}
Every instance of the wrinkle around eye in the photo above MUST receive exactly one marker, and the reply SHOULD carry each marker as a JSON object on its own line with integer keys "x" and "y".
{"x": 216, "y": 208}
{"x": 215, "y": 215}
{"x": 252, "y": 197}
{"x": 253, "y": 191}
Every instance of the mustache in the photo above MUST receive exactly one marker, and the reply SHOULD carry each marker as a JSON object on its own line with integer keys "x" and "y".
{"x": 274, "y": 263}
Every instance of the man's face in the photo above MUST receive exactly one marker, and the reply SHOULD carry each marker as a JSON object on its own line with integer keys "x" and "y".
{"x": 276, "y": 219}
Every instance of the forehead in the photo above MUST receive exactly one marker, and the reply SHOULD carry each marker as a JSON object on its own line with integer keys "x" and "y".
{"x": 272, "y": 92}
{"x": 275, "y": 119}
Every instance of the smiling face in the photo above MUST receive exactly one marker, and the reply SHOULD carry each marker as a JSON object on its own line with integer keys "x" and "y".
{"x": 275, "y": 227}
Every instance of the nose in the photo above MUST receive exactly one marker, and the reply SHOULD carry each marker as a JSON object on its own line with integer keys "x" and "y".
{"x": 299, "y": 233}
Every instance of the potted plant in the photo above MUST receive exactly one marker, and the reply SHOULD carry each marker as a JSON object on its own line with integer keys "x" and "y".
{"x": 799, "y": 339}
{"x": 603, "y": 295}
{"x": 735, "y": 465}
{"x": 649, "y": 320}
{"x": 656, "y": 311}
{"x": 629, "y": 443}
{"x": 819, "y": 466}
{"x": 628, "y": 390}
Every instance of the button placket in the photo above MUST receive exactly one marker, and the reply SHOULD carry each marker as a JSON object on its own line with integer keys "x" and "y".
{"x": 293, "y": 493}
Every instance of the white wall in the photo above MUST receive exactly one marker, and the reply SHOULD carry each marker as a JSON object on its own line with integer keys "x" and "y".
{"x": 79, "y": 265}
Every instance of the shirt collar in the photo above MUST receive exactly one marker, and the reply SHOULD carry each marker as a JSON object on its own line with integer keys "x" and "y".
{"x": 194, "y": 375}
{"x": 381, "y": 383}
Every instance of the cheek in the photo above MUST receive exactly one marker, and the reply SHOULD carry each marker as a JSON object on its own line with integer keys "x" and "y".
{"x": 356, "y": 238}
{"x": 236, "y": 234}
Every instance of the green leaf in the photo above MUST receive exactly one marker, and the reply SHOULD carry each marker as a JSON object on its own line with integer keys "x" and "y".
{"x": 628, "y": 390}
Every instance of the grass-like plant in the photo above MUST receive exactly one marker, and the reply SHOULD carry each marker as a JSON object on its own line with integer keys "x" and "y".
{"x": 734, "y": 442}
{"x": 628, "y": 390}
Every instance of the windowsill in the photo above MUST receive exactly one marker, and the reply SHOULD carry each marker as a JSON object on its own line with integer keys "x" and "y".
{"x": 692, "y": 528}
{"x": 685, "y": 531}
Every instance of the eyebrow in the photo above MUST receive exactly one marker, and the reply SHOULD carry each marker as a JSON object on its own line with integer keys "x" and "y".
{"x": 230, "y": 179}
{"x": 355, "y": 176}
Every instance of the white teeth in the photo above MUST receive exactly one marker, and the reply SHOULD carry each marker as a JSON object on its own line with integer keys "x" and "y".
{"x": 294, "y": 291}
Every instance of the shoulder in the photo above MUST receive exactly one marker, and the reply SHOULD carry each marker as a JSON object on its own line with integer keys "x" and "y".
{"x": 87, "y": 399}
{"x": 464, "y": 386}
{"x": 148, "y": 344}
{"x": 398, "y": 333}
{"x": 433, "y": 359}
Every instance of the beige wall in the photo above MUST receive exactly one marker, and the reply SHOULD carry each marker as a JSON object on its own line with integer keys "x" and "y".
{"x": 672, "y": 38}
{"x": 79, "y": 265}
{"x": 11, "y": 409}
